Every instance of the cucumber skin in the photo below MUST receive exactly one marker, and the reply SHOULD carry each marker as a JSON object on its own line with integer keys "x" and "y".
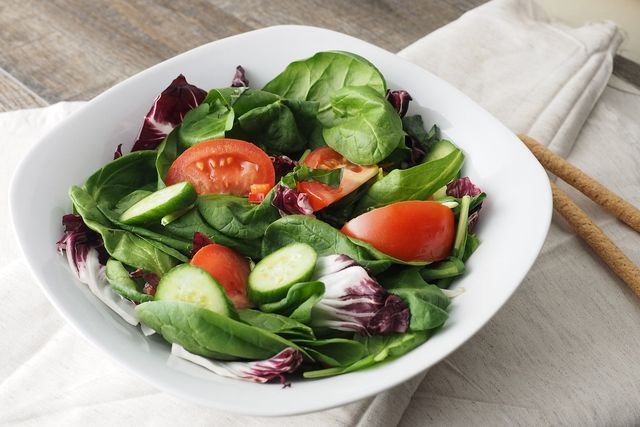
{"x": 229, "y": 307}
{"x": 439, "y": 150}
{"x": 260, "y": 297}
{"x": 181, "y": 201}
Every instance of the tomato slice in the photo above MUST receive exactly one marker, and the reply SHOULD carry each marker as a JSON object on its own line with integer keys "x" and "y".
{"x": 410, "y": 231}
{"x": 222, "y": 166}
{"x": 259, "y": 192}
{"x": 353, "y": 176}
{"x": 229, "y": 268}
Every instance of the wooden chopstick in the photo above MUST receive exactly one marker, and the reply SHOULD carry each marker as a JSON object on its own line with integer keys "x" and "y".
{"x": 593, "y": 236}
{"x": 579, "y": 180}
{"x": 584, "y": 227}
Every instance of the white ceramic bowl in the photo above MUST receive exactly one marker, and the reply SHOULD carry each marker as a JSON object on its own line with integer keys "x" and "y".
{"x": 514, "y": 223}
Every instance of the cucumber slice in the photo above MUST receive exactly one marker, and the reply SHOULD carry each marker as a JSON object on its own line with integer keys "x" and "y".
{"x": 272, "y": 277}
{"x": 160, "y": 203}
{"x": 118, "y": 278}
{"x": 192, "y": 284}
{"x": 439, "y": 150}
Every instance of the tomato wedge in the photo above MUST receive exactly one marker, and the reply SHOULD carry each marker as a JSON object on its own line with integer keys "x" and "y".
{"x": 222, "y": 166}
{"x": 229, "y": 268}
{"x": 410, "y": 231}
{"x": 353, "y": 176}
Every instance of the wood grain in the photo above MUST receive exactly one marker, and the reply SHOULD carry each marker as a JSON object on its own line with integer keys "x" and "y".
{"x": 14, "y": 95}
{"x": 74, "y": 49}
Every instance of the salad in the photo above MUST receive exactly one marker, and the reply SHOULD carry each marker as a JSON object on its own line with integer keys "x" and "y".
{"x": 311, "y": 227}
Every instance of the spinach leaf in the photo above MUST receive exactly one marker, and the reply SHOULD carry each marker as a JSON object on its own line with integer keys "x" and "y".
{"x": 201, "y": 331}
{"x": 167, "y": 152}
{"x": 298, "y": 302}
{"x": 275, "y": 124}
{"x": 415, "y": 183}
{"x": 427, "y": 303}
{"x": 203, "y": 123}
{"x": 330, "y": 177}
{"x": 119, "y": 279}
{"x": 378, "y": 348}
{"x": 402, "y": 278}
{"x": 316, "y": 78}
{"x": 364, "y": 127}
{"x": 451, "y": 267}
{"x": 224, "y": 97}
{"x": 279, "y": 325}
{"x": 235, "y": 217}
{"x": 333, "y": 351}
{"x": 414, "y": 127}
{"x": 325, "y": 239}
{"x": 428, "y": 306}
{"x": 122, "y": 245}
{"x": 472, "y": 244}
{"x": 185, "y": 227}
{"x": 120, "y": 177}
{"x": 177, "y": 248}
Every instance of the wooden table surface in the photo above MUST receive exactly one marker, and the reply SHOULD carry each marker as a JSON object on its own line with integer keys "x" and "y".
{"x": 61, "y": 50}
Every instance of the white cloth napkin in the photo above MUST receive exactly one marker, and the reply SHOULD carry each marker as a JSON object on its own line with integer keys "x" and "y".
{"x": 537, "y": 77}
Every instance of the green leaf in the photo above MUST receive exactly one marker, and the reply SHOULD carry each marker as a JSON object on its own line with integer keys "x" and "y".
{"x": 235, "y": 217}
{"x": 122, "y": 245}
{"x": 203, "y": 123}
{"x": 167, "y": 152}
{"x": 186, "y": 226}
{"x": 364, "y": 126}
{"x": 402, "y": 278}
{"x": 414, "y": 127}
{"x": 119, "y": 279}
{"x": 472, "y": 244}
{"x": 450, "y": 267}
{"x": 325, "y": 239}
{"x": 318, "y": 77}
{"x": 299, "y": 301}
{"x": 279, "y": 325}
{"x": 120, "y": 177}
{"x": 201, "y": 331}
{"x": 330, "y": 177}
{"x": 378, "y": 348}
{"x": 333, "y": 351}
{"x": 428, "y": 306}
{"x": 415, "y": 183}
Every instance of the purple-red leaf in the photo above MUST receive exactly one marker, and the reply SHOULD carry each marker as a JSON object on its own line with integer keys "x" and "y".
{"x": 239, "y": 78}
{"x": 282, "y": 165}
{"x": 167, "y": 112}
{"x": 355, "y": 301}
{"x": 118, "y": 153}
{"x": 290, "y": 201}
{"x": 462, "y": 187}
{"x": 400, "y": 100}
{"x": 77, "y": 241}
{"x": 199, "y": 241}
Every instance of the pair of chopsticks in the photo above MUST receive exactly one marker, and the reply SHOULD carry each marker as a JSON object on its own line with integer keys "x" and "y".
{"x": 593, "y": 236}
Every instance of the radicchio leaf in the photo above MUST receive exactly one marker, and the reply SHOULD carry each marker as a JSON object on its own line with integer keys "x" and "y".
{"x": 239, "y": 78}
{"x": 473, "y": 218}
{"x": 285, "y": 362}
{"x": 355, "y": 301}
{"x": 290, "y": 201}
{"x": 118, "y": 153}
{"x": 400, "y": 100}
{"x": 282, "y": 165}
{"x": 77, "y": 241}
{"x": 167, "y": 112}
{"x": 200, "y": 240}
{"x": 462, "y": 187}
